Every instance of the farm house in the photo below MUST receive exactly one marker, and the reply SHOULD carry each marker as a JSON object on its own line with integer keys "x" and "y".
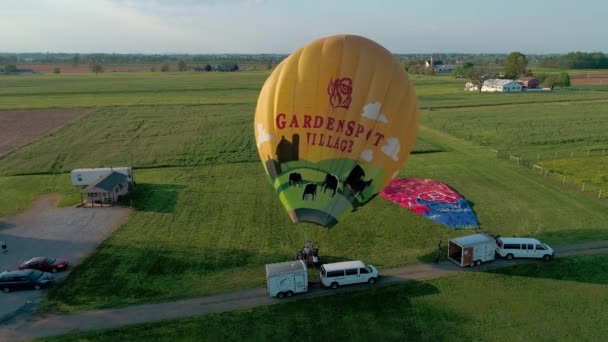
{"x": 85, "y": 177}
{"x": 108, "y": 189}
{"x": 501, "y": 86}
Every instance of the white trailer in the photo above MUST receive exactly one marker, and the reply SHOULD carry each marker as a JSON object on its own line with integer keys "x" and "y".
{"x": 472, "y": 250}
{"x": 84, "y": 177}
{"x": 285, "y": 279}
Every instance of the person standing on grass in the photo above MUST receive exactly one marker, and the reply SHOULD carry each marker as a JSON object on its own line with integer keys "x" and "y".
{"x": 4, "y": 248}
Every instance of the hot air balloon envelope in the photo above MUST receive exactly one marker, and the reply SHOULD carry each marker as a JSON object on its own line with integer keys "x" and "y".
{"x": 334, "y": 123}
{"x": 432, "y": 199}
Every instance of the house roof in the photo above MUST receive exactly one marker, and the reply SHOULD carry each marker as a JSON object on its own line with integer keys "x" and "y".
{"x": 526, "y": 79}
{"x": 107, "y": 183}
{"x": 496, "y": 82}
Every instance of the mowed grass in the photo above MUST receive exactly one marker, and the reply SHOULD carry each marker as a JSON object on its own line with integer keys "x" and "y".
{"x": 18, "y": 192}
{"x": 561, "y": 300}
{"x": 210, "y": 229}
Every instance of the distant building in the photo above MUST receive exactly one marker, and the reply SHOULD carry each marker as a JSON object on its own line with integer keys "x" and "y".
{"x": 227, "y": 67}
{"x": 444, "y": 68}
{"x": 529, "y": 82}
{"x": 501, "y": 86}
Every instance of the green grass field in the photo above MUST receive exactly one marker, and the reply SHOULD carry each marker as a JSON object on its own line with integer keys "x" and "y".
{"x": 561, "y": 300}
{"x": 592, "y": 170}
{"x": 206, "y": 219}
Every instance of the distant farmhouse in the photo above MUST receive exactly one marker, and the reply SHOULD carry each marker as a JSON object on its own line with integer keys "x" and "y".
{"x": 438, "y": 65}
{"x": 227, "y": 67}
{"x": 501, "y": 86}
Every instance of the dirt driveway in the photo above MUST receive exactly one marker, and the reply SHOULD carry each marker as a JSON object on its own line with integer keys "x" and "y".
{"x": 45, "y": 230}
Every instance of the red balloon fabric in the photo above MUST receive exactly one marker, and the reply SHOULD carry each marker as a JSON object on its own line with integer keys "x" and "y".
{"x": 432, "y": 199}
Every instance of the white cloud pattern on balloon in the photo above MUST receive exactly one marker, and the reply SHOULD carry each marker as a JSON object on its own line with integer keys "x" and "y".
{"x": 367, "y": 155}
{"x": 263, "y": 136}
{"x": 372, "y": 112}
{"x": 392, "y": 148}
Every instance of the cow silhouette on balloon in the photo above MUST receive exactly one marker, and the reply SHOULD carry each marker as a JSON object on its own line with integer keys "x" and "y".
{"x": 354, "y": 184}
{"x": 295, "y": 178}
{"x": 331, "y": 182}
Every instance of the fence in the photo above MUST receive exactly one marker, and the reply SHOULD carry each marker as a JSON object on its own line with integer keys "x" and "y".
{"x": 525, "y": 161}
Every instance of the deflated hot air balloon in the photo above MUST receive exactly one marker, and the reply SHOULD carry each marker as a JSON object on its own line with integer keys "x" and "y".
{"x": 334, "y": 123}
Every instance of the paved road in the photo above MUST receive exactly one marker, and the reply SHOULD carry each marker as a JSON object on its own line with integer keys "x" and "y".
{"x": 52, "y": 324}
{"x": 45, "y": 230}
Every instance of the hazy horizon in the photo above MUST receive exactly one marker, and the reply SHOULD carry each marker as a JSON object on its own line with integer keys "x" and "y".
{"x": 280, "y": 27}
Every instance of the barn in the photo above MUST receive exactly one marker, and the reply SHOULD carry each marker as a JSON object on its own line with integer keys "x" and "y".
{"x": 529, "y": 82}
{"x": 106, "y": 190}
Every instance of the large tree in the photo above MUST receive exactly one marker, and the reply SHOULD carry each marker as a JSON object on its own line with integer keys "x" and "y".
{"x": 181, "y": 65}
{"x": 478, "y": 74}
{"x": 515, "y": 65}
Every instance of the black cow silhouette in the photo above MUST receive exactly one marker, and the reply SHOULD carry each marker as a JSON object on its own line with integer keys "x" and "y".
{"x": 355, "y": 181}
{"x": 310, "y": 189}
{"x": 331, "y": 182}
{"x": 295, "y": 178}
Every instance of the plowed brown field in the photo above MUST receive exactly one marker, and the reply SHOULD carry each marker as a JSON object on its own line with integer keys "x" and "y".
{"x": 19, "y": 127}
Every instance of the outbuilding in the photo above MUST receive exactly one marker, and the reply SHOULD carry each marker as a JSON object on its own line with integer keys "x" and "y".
{"x": 472, "y": 250}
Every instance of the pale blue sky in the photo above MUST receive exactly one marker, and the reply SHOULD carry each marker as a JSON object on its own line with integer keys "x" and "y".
{"x": 272, "y": 26}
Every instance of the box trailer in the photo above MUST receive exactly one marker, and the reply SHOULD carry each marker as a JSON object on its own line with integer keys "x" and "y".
{"x": 84, "y": 177}
{"x": 472, "y": 250}
{"x": 285, "y": 279}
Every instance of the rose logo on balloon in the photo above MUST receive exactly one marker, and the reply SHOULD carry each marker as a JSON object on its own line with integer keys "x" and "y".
{"x": 340, "y": 91}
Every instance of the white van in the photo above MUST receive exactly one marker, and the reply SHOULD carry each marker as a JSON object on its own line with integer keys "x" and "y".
{"x": 348, "y": 272}
{"x": 515, "y": 247}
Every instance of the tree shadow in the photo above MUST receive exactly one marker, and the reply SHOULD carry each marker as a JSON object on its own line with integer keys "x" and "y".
{"x": 572, "y": 235}
{"x": 591, "y": 269}
{"x": 158, "y": 198}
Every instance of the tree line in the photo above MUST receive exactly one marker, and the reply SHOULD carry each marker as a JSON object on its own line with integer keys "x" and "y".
{"x": 576, "y": 60}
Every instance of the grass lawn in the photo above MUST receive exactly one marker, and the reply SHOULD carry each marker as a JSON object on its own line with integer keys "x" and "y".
{"x": 19, "y": 191}
{"x": 592, "y": 170}
{"x": 210, "y": 229}
{"x": 565, "y": 299}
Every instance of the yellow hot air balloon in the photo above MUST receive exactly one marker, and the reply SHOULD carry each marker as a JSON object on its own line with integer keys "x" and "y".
{"x": 334, "y": 123}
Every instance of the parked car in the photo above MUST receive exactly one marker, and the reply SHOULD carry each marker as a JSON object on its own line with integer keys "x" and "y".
{"x": 45, "y": 264}
{"x": 27, "y": 279}
{"x": 346, "y": 273}
{"x": 515, "y": 247}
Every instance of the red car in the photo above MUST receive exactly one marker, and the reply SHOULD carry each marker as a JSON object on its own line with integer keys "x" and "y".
{"x": 45, "y": 264}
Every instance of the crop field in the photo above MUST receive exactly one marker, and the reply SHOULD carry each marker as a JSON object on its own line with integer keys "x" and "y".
{"x": 561, "y": 300}
{"x": 206, "y": 219}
